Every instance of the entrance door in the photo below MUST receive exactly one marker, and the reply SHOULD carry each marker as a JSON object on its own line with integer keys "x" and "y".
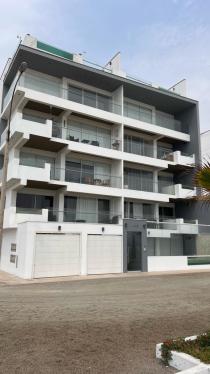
{"x": 133, "y": 251}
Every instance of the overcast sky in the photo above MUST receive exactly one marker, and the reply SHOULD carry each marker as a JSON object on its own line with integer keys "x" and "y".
{"x": 161, "y": 41}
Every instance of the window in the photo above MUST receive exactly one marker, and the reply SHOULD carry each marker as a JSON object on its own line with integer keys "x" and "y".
{"x": 30, "y": 202}
{"x": 75, "y": 94}
{"x": 90, "y": 98}
{"x": 13, "y": 247}
{"x": 73, "y": 171}
{"x": 103, "y": 211}
{"x": 104, "y": 102}
{"x": 148, "y": 211}
{"x": 137, "y": 111}
{"x": 166, "y": 212}
{"x": 140, "y": 180}
{"x": 70, "y": 206}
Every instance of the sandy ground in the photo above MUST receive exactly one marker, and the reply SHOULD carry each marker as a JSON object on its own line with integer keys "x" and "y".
{"x": 99, "y": 325}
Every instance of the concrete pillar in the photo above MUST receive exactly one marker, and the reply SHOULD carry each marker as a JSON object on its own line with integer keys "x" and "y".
{"x": 155, "y": 148}
{"x": 155, "y": 179}
{"x": 59, "y": 206}
{"x": 156, "y": 212}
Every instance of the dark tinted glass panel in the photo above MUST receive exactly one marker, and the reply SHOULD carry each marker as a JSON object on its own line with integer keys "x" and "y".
{"x": 75, "y": 94}
{"x": 90, "y": 98}
{"x": 25, "y": 201}
{"x": 103, "y": 211}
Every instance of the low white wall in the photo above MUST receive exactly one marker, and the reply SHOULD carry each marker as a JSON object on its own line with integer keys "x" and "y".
{"x": 167, "y": 263}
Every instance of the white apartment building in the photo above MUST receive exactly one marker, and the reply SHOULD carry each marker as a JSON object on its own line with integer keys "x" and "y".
{"x": 99, "y": 167}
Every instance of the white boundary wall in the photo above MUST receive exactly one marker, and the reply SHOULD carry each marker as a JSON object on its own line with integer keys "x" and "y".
{"x": 170, "y": 263}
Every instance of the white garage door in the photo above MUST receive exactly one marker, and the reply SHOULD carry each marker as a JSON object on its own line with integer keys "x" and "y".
{"x": 104, "y": 254}
{"x": 57, "y": 255}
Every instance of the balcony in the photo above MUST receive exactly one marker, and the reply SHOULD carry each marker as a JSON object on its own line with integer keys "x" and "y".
{"x": 144, "y": 114}
{"x": 171, "y": 226}
{"x": 70, "y": 216}
{"x": 184, "y": 192}
{"x": 80, "y": 135}
{"x": 73, "y": 216}
{"x": 26, "y": 125}
{"x": 148, "y": 185}
{"x": 137, "y": 146}
{"x": 83, "y": 177}
{"x": 30, "y": 170}
{"x": 74, "y": 94}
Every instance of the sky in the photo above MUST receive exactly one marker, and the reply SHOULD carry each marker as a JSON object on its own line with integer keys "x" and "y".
{"x": 161, "y": 41}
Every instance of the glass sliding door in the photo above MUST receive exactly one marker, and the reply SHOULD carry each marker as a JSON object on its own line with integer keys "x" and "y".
{"x": 73, "y": 171}
{"x": 70, "y": 207}
{"x": 103, "y": 211}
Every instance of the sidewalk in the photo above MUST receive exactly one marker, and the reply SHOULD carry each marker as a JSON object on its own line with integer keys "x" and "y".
{"x": 9, "y": 279}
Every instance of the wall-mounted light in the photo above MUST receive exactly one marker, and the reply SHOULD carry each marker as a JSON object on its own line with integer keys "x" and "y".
{"x": 103, "y": 229}
{"x": 59, "y": 228}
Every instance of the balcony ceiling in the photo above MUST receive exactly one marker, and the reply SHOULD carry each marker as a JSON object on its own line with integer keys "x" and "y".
{"x": 42, "y": 143}
{"x": 42, "y": 185}
{"x": 53, "y": 111}
{"x": 59, "y": 67}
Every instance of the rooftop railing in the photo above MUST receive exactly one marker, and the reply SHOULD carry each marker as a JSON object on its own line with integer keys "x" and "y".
{"x": 85, "y": 177}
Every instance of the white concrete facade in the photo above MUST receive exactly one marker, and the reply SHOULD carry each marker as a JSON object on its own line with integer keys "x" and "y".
{"x": 82, "y": 159}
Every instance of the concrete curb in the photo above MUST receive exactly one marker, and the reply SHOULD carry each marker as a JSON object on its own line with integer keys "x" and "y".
{"x": 9, "y": 279}
{"x": 185, "y": 363}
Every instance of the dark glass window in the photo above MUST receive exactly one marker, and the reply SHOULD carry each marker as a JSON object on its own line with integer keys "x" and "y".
{"x": 29, "y": 201}
{"x": 90, "y": 98}
{"x": 103, "y": 211}
{"x": 70, "y": 207}
{"x": 75, "y": 94}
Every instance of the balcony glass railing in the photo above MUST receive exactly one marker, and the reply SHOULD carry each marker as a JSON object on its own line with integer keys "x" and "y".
{"x": 84, "y": 217}
{"x": 28, "y": 210}
{"x": 167, "y": 121}
{"x": 143, "y": 184}
{"x": 86, "y": 137}
{"x": 76, "y": 94}
{"x": 34, "y": 118}
{"x": 136, "y": 147}
{"x": 165, "y": 153}
{"x": 84, "y": 177}
{"x": 169, "y": 224}
{"x": 145, "y": 115}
